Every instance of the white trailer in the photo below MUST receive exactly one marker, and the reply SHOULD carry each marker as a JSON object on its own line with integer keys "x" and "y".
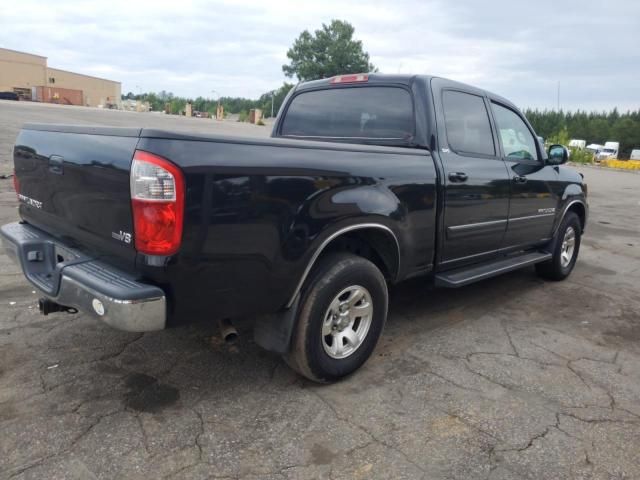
{"x": 610, "y": 151}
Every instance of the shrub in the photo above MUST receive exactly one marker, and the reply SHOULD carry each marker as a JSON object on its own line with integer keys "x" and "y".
{"x": 581, "y": 156}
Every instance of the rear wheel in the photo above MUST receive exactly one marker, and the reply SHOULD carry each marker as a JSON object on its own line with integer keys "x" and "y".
{"x": 565, "y": 253}
{"x": 342, "y": 313}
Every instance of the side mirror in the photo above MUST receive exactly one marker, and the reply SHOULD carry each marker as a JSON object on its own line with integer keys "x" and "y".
{"x": 558, "y": 154}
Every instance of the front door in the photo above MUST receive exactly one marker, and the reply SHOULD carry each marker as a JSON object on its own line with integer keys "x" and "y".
{"x": 476, "y": 181}
{"x": 533, "y": 203}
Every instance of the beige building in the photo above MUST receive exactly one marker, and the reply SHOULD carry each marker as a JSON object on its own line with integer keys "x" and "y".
{"x": 30, "y": 77}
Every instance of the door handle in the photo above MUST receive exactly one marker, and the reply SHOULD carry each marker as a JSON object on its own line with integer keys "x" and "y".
{"x": 520, "y": 179}
{"x": 458, "y": 177}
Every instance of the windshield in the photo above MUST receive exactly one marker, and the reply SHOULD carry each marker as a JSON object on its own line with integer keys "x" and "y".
{"x": 383, "y": 113}
{"x": 608, "y": 150}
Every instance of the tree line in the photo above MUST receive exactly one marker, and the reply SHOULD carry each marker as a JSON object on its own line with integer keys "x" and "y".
{"x": 594, "y": 127}
{"x": 175, "y": 105}
{"x": 326, "y": 52}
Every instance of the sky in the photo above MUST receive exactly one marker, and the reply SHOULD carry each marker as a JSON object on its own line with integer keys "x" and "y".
{"x": 518, "y": 49}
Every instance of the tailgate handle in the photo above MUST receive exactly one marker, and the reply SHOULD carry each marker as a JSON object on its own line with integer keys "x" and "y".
{"x": 56, "y": 163}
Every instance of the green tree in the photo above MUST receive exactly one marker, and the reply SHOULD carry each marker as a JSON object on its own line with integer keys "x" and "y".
{"x": 560, "y": 138}
{"x": 264, "y": 102}
{"x": 594, "y": 127}
{"x": 329, "y": 51}
{"x": 627, "y": 132}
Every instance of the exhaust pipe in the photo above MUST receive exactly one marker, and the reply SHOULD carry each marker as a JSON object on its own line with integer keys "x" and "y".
{"x": 228, "y": 331}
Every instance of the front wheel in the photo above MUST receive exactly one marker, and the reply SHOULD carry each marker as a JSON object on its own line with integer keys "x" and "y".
{"x": 565, "y": 252}
{"x": 342, "y": 314}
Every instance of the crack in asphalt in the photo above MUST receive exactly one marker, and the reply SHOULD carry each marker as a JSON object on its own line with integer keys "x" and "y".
{"x": 506, "y": 331}
{"x": 599, "y": 420}
{"x": 532, "y": 439}
{"x": 367, "y": 432}
{"x": 65, "y": 451}
{"x": 125, "y": 345}
{"x": 145, "y": 441}
{"x": 196, "y": 440}
{"x": 373, "y": 438}
{"x": 186, "y": 467}
{"x": 469, "y": 355}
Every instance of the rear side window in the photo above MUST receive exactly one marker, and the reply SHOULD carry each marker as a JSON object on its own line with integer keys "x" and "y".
{"x": 384, "y": 113}
{"x": 467, "y": 123}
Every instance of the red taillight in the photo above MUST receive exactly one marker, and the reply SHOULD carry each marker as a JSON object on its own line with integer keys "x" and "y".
{"x": 16, "y": 182}
{"x": 355, "y": 78}
{"x": 157, "y": 201}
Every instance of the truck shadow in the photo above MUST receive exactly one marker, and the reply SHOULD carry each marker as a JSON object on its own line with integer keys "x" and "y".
{"x": 203, "y": 366}
{"x": 87, "y": 366}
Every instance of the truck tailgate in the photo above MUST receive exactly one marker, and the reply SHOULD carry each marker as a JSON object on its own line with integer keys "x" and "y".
{"x": 73, "y": 182}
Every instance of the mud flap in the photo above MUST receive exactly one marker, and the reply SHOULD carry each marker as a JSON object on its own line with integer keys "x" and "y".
{"x": 273, "y": 331}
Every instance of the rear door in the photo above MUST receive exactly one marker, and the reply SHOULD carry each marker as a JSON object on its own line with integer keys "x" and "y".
{"x": 476, "y": 181}
{"x": 534, "y": 199}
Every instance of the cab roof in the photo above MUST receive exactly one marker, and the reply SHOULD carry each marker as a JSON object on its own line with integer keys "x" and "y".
{"x": 398, "y": 79}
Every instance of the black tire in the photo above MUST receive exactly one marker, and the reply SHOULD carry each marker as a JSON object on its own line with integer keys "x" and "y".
{"x": 554, "y": 269}
{"x": 333, "y": 274}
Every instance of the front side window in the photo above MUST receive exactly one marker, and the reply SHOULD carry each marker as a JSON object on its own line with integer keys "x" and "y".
{"x": 384, "y": 113}
{"x": 467, "y": 123}
{"x": 517, "y": 140}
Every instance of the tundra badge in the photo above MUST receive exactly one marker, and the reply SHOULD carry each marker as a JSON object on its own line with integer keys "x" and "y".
{"x": 30, "y": 201}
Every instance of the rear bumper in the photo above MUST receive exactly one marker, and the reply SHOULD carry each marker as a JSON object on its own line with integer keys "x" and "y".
{"x": 73, "y": 279}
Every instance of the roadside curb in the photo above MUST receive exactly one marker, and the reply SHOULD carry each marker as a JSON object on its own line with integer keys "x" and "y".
{"x": 608, "y": 169}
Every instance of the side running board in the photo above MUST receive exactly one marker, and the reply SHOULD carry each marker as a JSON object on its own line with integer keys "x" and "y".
{"x": 466, "y": 275}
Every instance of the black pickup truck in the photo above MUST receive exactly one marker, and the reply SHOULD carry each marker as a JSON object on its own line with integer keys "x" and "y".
{"x": 367, "y": 181}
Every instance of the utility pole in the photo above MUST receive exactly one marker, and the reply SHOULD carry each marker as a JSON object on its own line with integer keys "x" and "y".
{"x": 218, "y": 106}
{"x": 558, "y": 95}
{"x": 272, "y": 95}
{"x": 139, "y": 99}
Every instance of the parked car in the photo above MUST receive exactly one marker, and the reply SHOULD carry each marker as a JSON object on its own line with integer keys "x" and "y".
{"x": 579, "y": 144}
{"x": 609, "y": 152}
{"x": 368, "y": 180}
{"x": 595, "y": 147}
{"x": 635, "y": 154}
{"x": 9, "y": 96}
